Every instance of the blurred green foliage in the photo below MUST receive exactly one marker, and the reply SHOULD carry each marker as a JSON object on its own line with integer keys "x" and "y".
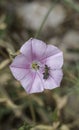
{"x": 47, "y": 108}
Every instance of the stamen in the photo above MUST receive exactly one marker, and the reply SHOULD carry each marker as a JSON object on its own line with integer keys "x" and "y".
{"x": 35, "y": 66}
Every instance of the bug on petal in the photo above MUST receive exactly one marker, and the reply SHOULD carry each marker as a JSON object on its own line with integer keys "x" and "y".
{"x": 46, "y": 72}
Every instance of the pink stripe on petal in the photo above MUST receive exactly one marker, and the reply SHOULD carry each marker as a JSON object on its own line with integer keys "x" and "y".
{"x": 27, "y": 82}
{"x": 37, "y": 85}
{"x": 38, "y": 48}
{"x": 32, "y": 83}
{"x": 50, "y": 51}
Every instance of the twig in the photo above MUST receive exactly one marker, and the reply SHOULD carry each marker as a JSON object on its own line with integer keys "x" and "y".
{"x": 45, "y": 18}
{"x": 16, "y": 109}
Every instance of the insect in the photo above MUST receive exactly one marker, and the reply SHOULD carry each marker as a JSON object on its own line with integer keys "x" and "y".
{"x": 46, "y": 72}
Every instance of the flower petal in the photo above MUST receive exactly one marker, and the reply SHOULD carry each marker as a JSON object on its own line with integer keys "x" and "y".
{"x": 34, "y": 49}
{"x": 32, "y": 83}
{"x": 55, "y": 61}
{"x": 50, "y": 51}
{"x": 49, "y": 83}
{"x": 20, "y": 67}
{"x": 19, "y": 73}
{"x": 38, "y": 48}
{"x": 27, "y": 81}
{"x": 57, "y": 76}
{"x": 37, "y": 85}
{"x": 26, "y": 49}
{"x": 20, "y": 61}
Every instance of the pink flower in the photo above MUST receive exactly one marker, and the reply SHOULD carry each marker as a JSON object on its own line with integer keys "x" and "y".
{"x": 38, "y": 67}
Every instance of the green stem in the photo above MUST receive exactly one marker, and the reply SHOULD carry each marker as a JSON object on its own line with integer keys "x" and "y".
{"x": 45, "y": 18}
{"x": 72, "y": 4}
